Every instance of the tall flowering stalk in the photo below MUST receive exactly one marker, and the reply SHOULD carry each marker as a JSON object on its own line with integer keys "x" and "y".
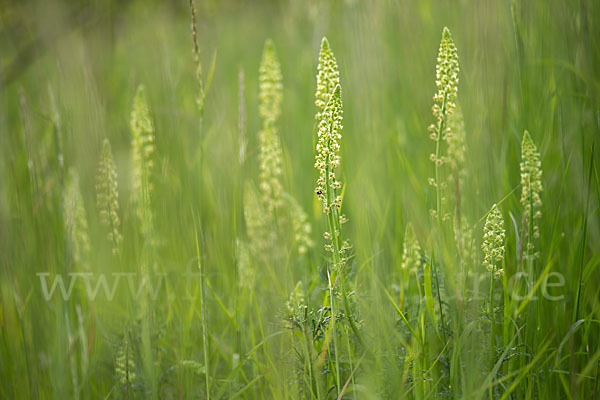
{"x": 328, "y": 98}
{"x": 446, "y": 80}
{"x": 531, "y": 189}
{"x": 270, "y": 98}
{"x": 493, "y": 252}
{"x": 327, "y": 161}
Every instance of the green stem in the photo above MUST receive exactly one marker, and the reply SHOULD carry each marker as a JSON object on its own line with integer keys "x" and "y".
{"x": 203, "y": 318}
{"x": 333, "y": 220}
{"x": 493, "y": 320}
{"x": 438, "y": 194}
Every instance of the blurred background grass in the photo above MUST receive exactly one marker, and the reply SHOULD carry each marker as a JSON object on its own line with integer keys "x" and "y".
{"x": 531, "y": 65}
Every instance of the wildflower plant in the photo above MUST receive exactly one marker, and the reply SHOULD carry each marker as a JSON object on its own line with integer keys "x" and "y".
{"x": 446, "y": 81}
{"x": 107, "y": 196}
{"x": 531, "y": 189}
{"x": 328, "y": 99}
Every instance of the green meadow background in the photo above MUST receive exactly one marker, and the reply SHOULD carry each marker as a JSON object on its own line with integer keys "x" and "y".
{"x": 68, "y": 75}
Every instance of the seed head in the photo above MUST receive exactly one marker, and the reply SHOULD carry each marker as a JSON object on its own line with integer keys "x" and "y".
{"x": 493, "y": 241}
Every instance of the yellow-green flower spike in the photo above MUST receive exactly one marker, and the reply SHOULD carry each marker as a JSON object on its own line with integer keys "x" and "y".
{"x": 446, "y": 77}
{"x": 493, "y": 241}
{"x": 444, "y": 104}
{"x": 270, "y": 85}
{"x": 142, "y": 131}
{"x": 531, "y": 185}
{"x": 328, "y": 159}
{"x": 328, "y": 77}
{"x": 107, "y": 196}
{"x": 270, "y": 96}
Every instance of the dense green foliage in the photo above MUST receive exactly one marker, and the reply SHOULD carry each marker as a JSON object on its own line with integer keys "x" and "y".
{"x": 177, "y": 167}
